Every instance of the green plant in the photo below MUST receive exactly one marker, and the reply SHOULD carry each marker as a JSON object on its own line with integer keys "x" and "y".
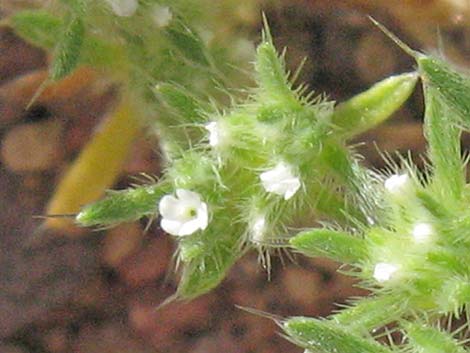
{"x": 242, "y": 177}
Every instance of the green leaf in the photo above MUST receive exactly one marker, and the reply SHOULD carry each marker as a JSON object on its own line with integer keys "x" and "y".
{"x": 368, "y": 314}
{"x": 38, "y": 27}
{"x": 187, "y": 107}
{"x": 122, "y": 206}
{"x": 67, "y": 53}
{"x": 455, "y": 294}
{"x": 324, "y": 336}
{"x": 370, "y": 108}
{"x": 443, "y": 135}
{"x": 427, "y": 339}
{"x": 452, "y": 86}
{"x": 338, "y": 246}
{"x": 98, "y": 53}
{"x": 271, "y": 71}
{"x": 432, "y": 205}
{"x": 79, "y": 7}
{"x": 187, "y": 42}
{"x": 357, "y": 179}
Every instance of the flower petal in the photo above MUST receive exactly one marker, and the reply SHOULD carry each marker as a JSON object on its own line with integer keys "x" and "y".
{"x": 281, "y": 181}
{"x": 292, "y": 185}
{"x": 170, "y": 208}
{"x": 188, "y": 198}
{"x": 171, "y": 227}
{"x": 384, "y": 271}
{"x": 214, "y": 138}
{"x": 257, "y": 229}
{"x": 203, "y": 216}
{"x": 190, "y": 227}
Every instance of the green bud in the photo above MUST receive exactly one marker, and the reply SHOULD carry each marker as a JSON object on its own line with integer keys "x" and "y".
{"x": 370, "y": 108}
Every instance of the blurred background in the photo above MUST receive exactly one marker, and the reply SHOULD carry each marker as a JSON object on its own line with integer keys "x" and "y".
{"x": 98, "y": 292}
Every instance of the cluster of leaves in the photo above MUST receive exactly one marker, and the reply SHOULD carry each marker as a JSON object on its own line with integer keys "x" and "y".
{"x": 413, "y": 255}
{"x": 159, "y": 41}
{"x": 250, "y": 175}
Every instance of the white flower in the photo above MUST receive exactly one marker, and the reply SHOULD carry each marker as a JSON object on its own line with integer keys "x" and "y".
{"x": 214, "y": 133}
{"x": 384, "y": 271}
{"x": 397, "y": 184}
{"x": 123, "y": 8}
{"x": 218, "y": 135}
{"x": 422, "y": 232}
{"x": 161, "y": 15}
{"x": 281, "y": 181}
{"x": 257, "y": 229}
{"x": 184, "y": 214}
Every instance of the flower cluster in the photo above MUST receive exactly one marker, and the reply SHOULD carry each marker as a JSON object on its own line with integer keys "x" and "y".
{"x": 187, "y": 213}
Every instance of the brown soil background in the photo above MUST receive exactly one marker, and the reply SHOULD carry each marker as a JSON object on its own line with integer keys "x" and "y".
{"x": 98, "y": 292}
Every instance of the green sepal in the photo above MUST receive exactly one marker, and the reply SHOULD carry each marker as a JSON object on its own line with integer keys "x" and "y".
{"x": 370, "y": 108}
{"x": 424, "y": 338}
{"x": 338, "y": 246}
{"x": 203, "y": 273}
{"x": 324, "y": 336}
{"x": 122, "y": 206}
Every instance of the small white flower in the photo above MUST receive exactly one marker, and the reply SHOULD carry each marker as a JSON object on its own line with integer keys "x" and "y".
{"x": 214, "y": 133}
{"x": 281, "y": 181}
{"x": 161, "y": 15}
{"x": 397, "y": 183}
{"x": 422, "y": 232}
{"x": 123, "y": 8}
{"x": 257, "y": 229}
{"x": 184, "y": 214}
{"x": 384, "y": 271}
